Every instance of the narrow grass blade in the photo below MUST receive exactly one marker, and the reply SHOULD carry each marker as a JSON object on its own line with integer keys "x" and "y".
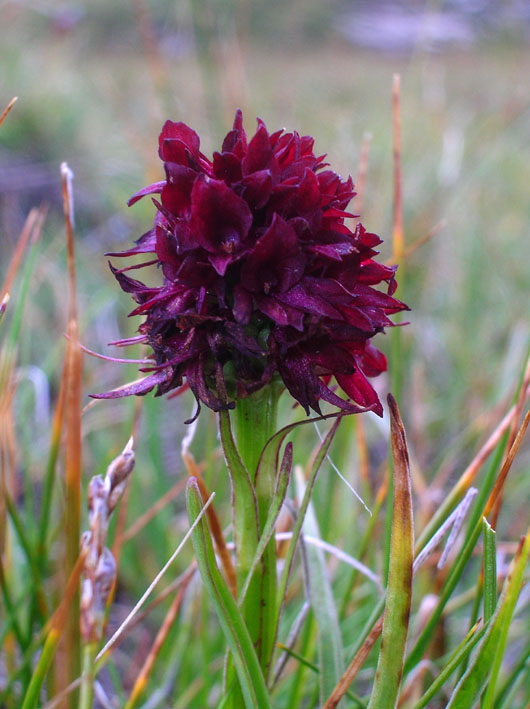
{"x": 16, "y": 259}
{"x": 266, "y": 483}
{"x": 282, "y": 485}
{"x": 215, "y": 526}
{"x": 357, "y": 701}
{"x": 289, "y": 557}
{"x": 490, "y": 570}
{"x": 461, "y": 653}
{"x": 399, "y": 590}
{"x": 56, "y": 629}
{"x": 11, "y": 610}
{"x": 7, "y": 109}
{"x": 245, "y": 504}
{"x": 246, "y": 528}
{"x": 466, "y": 479}
{"x": 483, "y": 672}
{"x": 465, "y": 554}
{"x": 329, "y": 639}
{"x": 144, "y": 674}
{"x": 238, "y": 639}
{"x": 51, "y": 465}
{"x": 360, "y": 656}
{"x": 18, "y": 524}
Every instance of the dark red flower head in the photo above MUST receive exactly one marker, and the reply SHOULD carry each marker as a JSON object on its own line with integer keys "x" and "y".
{"x": 261, "y": 275}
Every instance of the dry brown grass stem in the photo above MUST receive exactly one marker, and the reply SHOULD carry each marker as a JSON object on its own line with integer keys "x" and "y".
{"x": 501, "y": 479}
{"x": 7, "y": 109}
{"x": 56, "y": 622}
{"x": 355, "y": 665}
{"x": 519, "y": 405}
{"x": 486, "y": 450}
{"x": 30, "y": 231}
{"x": 184, "y": 578}
{"x": 398, "y": 244}
{"x": 145, "y": 672}
{"x": 215, "y": 525}
{"x": 73, "y": 393}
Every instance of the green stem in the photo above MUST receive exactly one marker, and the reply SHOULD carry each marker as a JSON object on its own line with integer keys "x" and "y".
{"x": 86, "y": 697}
{"x": 256, "y": 423}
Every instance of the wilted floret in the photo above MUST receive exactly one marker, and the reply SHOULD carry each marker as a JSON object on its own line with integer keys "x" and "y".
{"x": 261, "y": 275}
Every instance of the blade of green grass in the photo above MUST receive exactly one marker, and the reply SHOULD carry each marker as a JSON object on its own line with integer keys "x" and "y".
{"x": 238, "y": 639}
{"x": 399, "y": 591}
{"x": 465, "y": 554}
{"x": 329, "y": 640}
{"x": 289, "y": 557}
{"x": 490, "y": 570}
{"x": 483, "y": 672}
{"x": 358, "y": 702}
{"x": 57, "y": 626}
{"x": 457, "y": 657}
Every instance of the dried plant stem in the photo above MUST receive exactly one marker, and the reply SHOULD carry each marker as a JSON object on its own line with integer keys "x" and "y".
{"x": 354, "y": 667}
{"x": 518, "y": 410}
{"x": 73, "y": 434}
{"x": 23, "y": 240}
{"x": 215, "y": 525}
{"x": 7, "y": 109}
{"x": 145, "y": 672}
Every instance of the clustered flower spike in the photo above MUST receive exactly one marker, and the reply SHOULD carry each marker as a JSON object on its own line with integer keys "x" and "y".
{"x": 262, "y": 277}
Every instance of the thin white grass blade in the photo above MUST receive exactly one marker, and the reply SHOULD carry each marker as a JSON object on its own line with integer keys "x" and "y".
{"x": 155, "y": 581}
{"x": 291, "y": 640}
{"x": 456, "y": 517}
{"x": 341, "y": 476}
{"x": 339, "y": 554}
{"x": 329, "y": 639}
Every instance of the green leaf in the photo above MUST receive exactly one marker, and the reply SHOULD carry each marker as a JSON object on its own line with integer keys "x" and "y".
{"x": 483, "y": 672}
{"x": 246, "y": 528}
{"x": 289, "y": 557}
{"x": 237, "y": 636}
{"x": 330, "y": 650}
{"x": 457, "y": 657}
{"x": 399, "y": 590}
{"x": 282, "y": 485}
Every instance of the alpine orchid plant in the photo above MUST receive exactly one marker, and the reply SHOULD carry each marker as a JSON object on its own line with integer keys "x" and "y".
{"x": 265, "y": 287}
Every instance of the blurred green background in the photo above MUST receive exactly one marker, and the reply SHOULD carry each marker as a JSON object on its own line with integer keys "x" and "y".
{"x": 97, "y": 79}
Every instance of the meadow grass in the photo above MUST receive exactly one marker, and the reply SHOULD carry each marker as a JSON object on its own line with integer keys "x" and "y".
{"x": 459, "y": 366}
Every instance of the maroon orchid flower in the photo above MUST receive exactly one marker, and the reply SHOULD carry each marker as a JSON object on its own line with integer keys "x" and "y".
{"x": 262, "y": 277}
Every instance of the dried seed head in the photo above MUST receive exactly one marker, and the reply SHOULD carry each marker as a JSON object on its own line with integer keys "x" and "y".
{"x": 94, "y": 595}
{"x": 118, "y": 473}
{"x": 100, "y": 567}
